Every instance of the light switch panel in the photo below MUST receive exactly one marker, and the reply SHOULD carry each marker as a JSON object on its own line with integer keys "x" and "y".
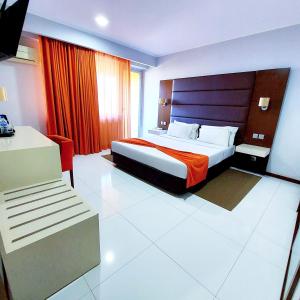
{"x": 255, "y": 136}
{"x": 261, "y": 136}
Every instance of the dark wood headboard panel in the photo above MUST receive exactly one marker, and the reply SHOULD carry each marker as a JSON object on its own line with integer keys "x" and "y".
{"x": 221, "y": 100}
{"x": 228, "y": 99}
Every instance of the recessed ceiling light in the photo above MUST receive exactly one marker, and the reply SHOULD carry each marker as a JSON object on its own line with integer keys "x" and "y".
{"x": 101, "y": 21}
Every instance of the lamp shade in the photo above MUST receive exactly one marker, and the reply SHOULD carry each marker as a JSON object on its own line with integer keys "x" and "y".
{"x": 163, "y": 101}
{"x": 3, "y": 94}
{"x": 264, "y": 103}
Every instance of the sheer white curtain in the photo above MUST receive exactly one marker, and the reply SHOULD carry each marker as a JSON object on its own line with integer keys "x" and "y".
{"x": 113, "y": 78}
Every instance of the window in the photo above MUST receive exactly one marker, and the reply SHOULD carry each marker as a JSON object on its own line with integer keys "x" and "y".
{"x": 135, "y": 102}
{"x": 113, "y": 77}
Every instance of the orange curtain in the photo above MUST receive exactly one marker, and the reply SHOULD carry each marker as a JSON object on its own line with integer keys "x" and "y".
{"x": 113, "y": 76}
{"x": 71, "y": 92}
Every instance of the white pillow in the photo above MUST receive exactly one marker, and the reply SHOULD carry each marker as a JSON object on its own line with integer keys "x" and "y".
{"x": 194, "y": 127}
{"x": 214, "y": 135}
{"x": 179, "y": 131}
{"x": 233, "y": 131}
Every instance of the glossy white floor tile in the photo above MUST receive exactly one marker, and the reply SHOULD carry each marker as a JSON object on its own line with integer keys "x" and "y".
{"x": 252, "y": 278}
{"x": 271, "y": 252}
{"x": 262, "y": 193}
{"x": 149, "y": 216}
{"x": 74, "y": 291}
{"x": 120, "y": 242}
{"x": 203, "y": 253}
{"x": 249, "y": 213}
{"x": 281, "y": 200}
{"x": 255, "y": 203}
{"x": 89, "y": 296}
{"x": 123, "y": 196}
{"x": 139, "y": 183}
{"x": 110, "y": 178}
{"x": 223, "y": 222}
{"x": 151, "y": 276}
{"x": 104, "y": 209}
{"x": 182, "y": 202}
{"x": 278, "y": 225}
{"x": 82, "y": 188}
{"x": 155, "y": 245}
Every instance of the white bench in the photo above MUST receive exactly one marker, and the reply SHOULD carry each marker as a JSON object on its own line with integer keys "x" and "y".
{"x": 50, "y": 237}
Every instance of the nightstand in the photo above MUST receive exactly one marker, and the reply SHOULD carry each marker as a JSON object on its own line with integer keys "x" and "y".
{"x": 157, "y": 131}
{"x": 251, "y": 158}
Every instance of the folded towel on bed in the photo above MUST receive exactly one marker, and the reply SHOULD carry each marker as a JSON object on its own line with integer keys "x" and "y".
{"x": 197, "y": 164}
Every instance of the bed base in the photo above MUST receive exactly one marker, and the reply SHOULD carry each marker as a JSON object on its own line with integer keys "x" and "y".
{"x": 164, "y": 180}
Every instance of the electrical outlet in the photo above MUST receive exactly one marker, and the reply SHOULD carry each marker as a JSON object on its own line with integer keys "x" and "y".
{"x": 261, "y": 136}
{"x": 255, "y": 136}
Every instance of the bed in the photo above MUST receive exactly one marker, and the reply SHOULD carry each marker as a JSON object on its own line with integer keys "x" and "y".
{"x": 167, "y": 164}
{"x": 217, "y": 100}
{"x": 162, "y": 169}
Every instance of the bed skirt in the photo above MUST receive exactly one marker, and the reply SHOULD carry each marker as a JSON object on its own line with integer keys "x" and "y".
{"x": 164, "y": 180}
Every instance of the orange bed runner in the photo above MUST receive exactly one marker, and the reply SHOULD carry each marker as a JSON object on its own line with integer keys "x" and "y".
{"x": 197, "y": 164}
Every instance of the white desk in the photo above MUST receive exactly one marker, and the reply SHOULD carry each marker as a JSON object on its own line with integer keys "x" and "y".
{"x": 27, "y": 158}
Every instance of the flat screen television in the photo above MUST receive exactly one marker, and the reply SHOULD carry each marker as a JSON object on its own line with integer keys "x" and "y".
{"x": 11, "y": 24}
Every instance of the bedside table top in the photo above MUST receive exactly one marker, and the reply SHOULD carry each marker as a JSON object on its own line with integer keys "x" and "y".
{"x": 253, "y": 150}
{"x": 157, "y": 131}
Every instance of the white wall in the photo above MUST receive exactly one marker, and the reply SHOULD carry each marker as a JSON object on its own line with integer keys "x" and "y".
{"x": 26, "y": 103}
{"x": 274, "y": 49}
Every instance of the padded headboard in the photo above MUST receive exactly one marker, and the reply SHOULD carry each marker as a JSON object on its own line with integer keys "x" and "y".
{"x": 221, "y": 100}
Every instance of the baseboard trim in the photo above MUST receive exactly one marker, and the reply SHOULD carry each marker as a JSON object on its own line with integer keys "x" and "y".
{"x": 283, "y": 177}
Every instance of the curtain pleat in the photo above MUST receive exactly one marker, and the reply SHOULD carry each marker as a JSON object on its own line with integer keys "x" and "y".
{"x": 71, "y": 92}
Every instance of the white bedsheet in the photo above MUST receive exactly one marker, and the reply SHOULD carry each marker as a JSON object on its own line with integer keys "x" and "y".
{"x": 165, "y": 163}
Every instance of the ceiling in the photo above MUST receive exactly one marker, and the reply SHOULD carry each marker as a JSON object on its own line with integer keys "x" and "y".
{"x": 161, "y": 27}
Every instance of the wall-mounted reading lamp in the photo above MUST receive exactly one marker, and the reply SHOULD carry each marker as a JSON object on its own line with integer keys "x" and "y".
{"x": 163, "y": 101}
{"x": 264, "y": 103}
{"x": 3, "y": 94}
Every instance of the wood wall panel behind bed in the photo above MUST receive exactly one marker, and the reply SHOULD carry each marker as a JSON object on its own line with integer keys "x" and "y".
{"x": 165, "y": 91}
{"x": 208, "y": 93}
{"x": 268, "y": 83}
